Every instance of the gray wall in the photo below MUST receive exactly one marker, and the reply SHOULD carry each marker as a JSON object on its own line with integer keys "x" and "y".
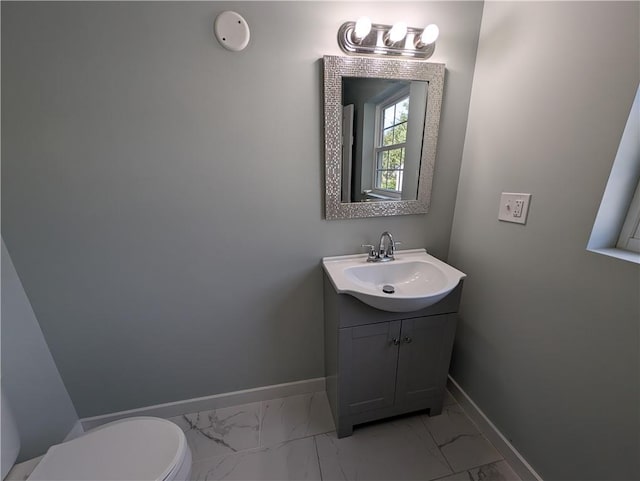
{"x": 39, "y": 401}
{"x": 162, "y": 196}
{"x": 548, "y": 344}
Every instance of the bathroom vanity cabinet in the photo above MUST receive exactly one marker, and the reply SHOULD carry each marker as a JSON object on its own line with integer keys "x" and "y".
{"x": 380, "y": 364}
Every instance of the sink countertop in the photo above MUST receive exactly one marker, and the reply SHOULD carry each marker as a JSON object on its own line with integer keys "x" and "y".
{"x": 419, "y": 279}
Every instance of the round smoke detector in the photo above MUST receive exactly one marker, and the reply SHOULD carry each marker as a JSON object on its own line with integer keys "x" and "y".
{"x": 232, "y": 31}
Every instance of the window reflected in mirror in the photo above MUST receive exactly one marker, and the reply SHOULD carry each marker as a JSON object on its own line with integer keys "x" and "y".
{"x": 383, "y": 124}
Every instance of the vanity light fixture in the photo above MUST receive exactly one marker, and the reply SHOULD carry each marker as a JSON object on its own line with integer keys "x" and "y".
{"x": 428, "y": 36}
{"x": 361, "y": 29}
{"x": 366, "y": 38}
{"x": 396, "y": 34}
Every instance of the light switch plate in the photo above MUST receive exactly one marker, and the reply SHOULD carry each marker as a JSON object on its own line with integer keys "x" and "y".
{"x": 514, "y": 207}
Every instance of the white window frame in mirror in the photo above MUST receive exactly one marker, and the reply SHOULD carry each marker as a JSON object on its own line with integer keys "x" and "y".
{"x": 335, "y": 68}
{"x": 378, "y": 147}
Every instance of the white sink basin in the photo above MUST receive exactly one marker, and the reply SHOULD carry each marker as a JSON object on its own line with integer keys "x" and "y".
{"x": 417, "y": 279}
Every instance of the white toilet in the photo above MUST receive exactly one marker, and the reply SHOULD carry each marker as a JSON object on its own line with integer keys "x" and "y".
{"x": 141, "y": 449}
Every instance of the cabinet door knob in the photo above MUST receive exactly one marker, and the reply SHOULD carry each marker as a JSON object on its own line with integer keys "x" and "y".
{"x": 407, "y": 339}
{"x": 395, "y": 341}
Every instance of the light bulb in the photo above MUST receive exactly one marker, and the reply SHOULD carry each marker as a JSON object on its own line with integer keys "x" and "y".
{"x": 429, "y": 34}
{"x": 397, "y": 32}
{"x": 362, "y": 28}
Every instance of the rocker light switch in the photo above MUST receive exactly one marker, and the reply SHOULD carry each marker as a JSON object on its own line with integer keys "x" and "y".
{"x": 514, "y": 207}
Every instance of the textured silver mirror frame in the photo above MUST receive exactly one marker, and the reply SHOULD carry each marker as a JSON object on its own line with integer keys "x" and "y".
{"x": 334, "y": 69}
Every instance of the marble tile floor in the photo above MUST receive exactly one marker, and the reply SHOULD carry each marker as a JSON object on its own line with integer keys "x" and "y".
{"x": 293, "y": 438}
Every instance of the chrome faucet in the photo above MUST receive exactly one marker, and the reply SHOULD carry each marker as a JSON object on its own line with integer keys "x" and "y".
{"x": 385, "y": 252}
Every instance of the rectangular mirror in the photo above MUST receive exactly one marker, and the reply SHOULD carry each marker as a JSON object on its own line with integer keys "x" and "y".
{"x": 381, "y": 129}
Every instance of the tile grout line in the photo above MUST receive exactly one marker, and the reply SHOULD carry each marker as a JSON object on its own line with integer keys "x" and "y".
{"x": 511, "y": 455}
{"x": 436, "y": 444}
{"x": 467, "y": 470}
{"x": 260, "y": 446}
{"x": 315, "y": 443}
{"x": 479, "y": 433}
{"x": 260, "y": 424}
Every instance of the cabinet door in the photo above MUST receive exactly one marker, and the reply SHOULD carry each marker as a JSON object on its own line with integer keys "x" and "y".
{"x": 423, "y": 361}
{"x": 368, "y": 361}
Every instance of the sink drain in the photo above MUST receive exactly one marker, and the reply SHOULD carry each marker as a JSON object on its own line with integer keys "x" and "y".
{"x": 388, "y": 289}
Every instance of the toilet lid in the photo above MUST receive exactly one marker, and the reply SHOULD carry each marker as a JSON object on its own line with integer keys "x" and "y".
{"x": 141, "y": 448}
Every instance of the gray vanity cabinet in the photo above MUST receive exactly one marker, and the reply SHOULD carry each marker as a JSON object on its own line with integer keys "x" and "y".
{"x": 369, "y": 356}
{"x": 381, "y": 364}
{"x": 423, "y": 361}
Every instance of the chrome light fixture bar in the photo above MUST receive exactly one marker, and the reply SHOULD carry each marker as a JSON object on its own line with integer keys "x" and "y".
{"x": 364, "y": 37}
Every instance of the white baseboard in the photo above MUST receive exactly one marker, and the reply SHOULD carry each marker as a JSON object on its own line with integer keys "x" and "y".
{"x": 206, "y": 403}
{"x": 517, "y": 462}
{"x": 75, "y": 431}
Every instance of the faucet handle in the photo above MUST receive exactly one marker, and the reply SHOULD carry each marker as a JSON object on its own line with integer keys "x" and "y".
{"x": 372, "y": 251}
{"x": 391, "y": 250}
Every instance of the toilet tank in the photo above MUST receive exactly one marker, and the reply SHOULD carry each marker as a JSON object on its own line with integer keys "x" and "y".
{"x": 10, "y": 440}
